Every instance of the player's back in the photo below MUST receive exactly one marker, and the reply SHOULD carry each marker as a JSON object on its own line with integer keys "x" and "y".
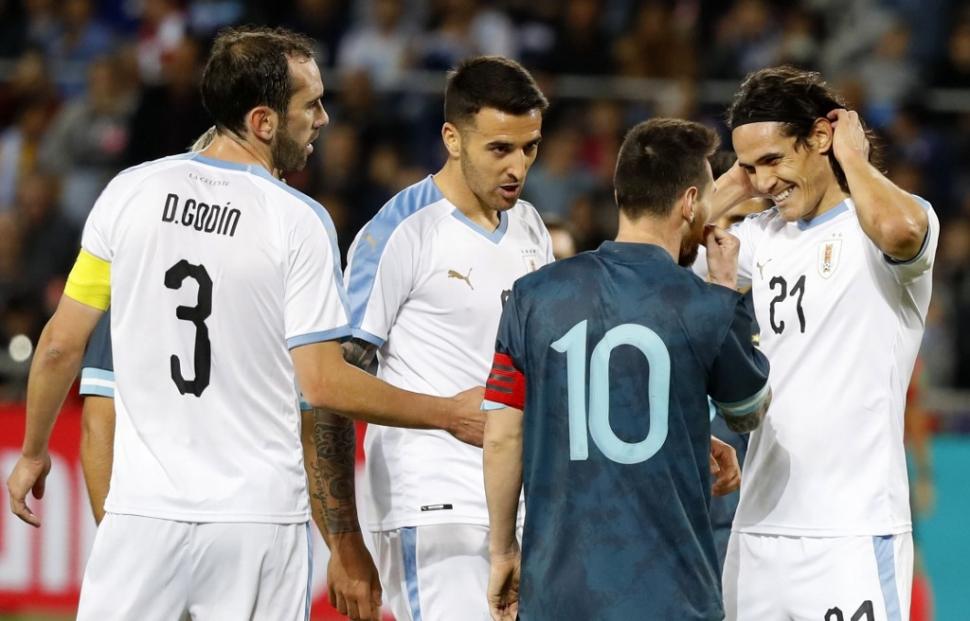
{"x": 619, "y": 344}
{"x": 216, "y": 270}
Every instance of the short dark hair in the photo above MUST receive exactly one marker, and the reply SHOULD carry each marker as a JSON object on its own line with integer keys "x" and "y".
{"x": 797, "y": 99}
{"x": 249, "y": 67}
{"x": 659, "y": 159}
{"x": 490, "y": 82}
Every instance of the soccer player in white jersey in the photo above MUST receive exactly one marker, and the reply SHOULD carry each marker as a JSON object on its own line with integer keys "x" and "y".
{"x": 427, "y": 278}
{"x": 225, "y": 290}
{"x": 840, "y": 269}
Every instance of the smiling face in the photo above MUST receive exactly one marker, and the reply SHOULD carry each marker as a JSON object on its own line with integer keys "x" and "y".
{"x": 292, "y": 143}
{"x": 797, "y": 178}
{"x": 497, "y": 150}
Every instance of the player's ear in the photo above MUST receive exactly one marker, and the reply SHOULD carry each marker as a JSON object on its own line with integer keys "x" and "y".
{"x": 451, "y": 136}
{"x": 821, "y": 136}
{"x": 688, "y": 204}
{"x": 263, "y": 122}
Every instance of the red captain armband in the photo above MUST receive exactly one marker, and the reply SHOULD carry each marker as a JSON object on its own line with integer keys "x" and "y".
{"x": 506, "y": 384}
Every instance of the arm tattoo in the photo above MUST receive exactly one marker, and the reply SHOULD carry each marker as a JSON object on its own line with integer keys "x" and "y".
{"x": 333, "y": 473}
{"x": 359, "y": 353}
{"x": 743, "y": 424}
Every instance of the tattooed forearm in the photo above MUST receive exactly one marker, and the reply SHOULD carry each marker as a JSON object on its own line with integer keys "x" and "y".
{"x": 333, "y": 472}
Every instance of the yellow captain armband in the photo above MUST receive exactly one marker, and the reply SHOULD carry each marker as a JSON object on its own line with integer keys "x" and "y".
{"x": 90, "y": 281}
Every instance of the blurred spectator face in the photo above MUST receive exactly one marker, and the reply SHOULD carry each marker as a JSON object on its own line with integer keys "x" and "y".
{"x": 497, "y": 150}
{"x": 384, "y": 166}
{"x": 77, "y": 13}
{"x": 181, "y": 68}
{"x": 387, "y": 13}
{"x": 960, "y": 46}
{"x": 101, "y": 91}
{"x": 894, "y": 44}
{"x": 955, "y": 243}
{"x": 357, "y": 91}
{"x": 30, "y": 74}
{"x": 340, "y": 150}
{"x": 794, "y": 177}
{"x": 33, "y": 120}
{"x": 35, "y": 198}
{"x": 582, "y": 15}
{"x": 10, "y": 246}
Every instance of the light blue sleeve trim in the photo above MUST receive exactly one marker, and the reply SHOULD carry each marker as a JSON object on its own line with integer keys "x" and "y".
{"x": 926, "y": 238}
{"x": 87, "y": 390}
{"x": 97, "y": 383}
{"x": 491, "y": 406}
{"x": 409, "y": 555}
{"x": 364, "y": 335}
{"x": 373, "y": 240}
{"x": 746, "y": 406}
{"x": 318, "y": 337}
{"x": 886, "y": 563}
{"x": 309, "y": 573}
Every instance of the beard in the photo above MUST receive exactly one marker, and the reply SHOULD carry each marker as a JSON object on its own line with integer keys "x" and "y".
{"x": 690, "y": 243}
{"x": 288, "y": 154}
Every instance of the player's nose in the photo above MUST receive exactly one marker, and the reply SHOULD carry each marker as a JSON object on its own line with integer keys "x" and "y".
{"x": 763, "y": 181}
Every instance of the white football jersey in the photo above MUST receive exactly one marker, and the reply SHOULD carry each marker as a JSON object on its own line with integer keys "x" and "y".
{"x": 427, "y": 286}
{"x": 841, "y": 325}
{"x": 217, "y": 270}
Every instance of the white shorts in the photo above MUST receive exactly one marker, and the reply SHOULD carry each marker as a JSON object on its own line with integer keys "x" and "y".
{"x": 146, "y": 569}
{"x": 772, "y": 577}
{"x": 434, "y": 573}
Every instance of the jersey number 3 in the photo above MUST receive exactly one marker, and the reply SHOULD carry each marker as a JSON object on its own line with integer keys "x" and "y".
{"x": 573, "y": 344}
{"x": 202, "y": 356}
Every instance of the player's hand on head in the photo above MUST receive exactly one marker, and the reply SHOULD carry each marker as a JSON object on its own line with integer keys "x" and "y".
{"x": 848, "y": 134}
{"x": 722, "y": 256}
{"x": 28, "y": 475}
{"x": 724, "y": 467}
{"x": 352, "y": 580}
{"x": 468, "y": 422}
{"x": 503, "y": 586}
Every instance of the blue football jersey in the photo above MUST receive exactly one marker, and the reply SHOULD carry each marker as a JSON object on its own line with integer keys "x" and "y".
{"x": 97, "y": 367}
{"x": 619, "y": 349}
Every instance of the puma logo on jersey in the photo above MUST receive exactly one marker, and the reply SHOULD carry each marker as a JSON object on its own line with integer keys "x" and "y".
{"x": 370, "y": 241}
{"x": 761, "y": 268}
{"x": 459, "y": 276}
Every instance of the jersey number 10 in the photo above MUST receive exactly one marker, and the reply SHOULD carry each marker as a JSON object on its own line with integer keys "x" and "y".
{"x": 573, "y": 344}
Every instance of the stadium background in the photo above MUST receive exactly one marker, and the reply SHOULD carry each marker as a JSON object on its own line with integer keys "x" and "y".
{"x": 88, "y": 88}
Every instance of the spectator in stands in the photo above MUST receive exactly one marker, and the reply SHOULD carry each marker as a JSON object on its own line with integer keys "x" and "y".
{"x": 380, "y": 47}
{"x": 581, "y": 45}
{"x": 50, "y": 241}
{"x": 80, "y": 39}
{"x": 170, "y": 115}
{"x": 87, "y": 139}
{"x": 162, "y": 30}
{"x": 19, "y": 145}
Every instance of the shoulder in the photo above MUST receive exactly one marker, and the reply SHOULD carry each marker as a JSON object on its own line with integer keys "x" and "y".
{"x": 415, "y": 211}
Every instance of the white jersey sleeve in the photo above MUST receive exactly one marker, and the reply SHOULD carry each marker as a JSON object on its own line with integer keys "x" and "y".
{"x": 316, "y": 308}
{"x": 379, "y": 280}
{"x": 907, "y": 271}
{"x": 748, "y": 232}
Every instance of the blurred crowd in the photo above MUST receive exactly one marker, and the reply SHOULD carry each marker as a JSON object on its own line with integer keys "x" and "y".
{"x": 88, "y": 88}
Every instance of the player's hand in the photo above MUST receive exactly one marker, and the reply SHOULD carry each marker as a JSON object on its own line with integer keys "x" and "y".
{"x": 468, "y": 422}
{"x": 848, "y": 136}
{"x": 503, "y": 585}
{"x": 733, "y": 188}
{"x": 352, "y": 580}
{"x": 29, "y": 474}
{"x": 722, "y": 256}
{"x": 724, "y": 468}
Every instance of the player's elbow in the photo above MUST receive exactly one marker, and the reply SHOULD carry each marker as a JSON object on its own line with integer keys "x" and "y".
{"x": 501, "y": 435}
{"x": 59, "y": 346}
{"x": 902, "y": 238}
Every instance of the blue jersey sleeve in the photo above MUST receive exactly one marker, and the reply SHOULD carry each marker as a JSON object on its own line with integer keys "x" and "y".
{"x": 739, "y": 375}
{"x": 506, "y": 381}
{"x": 97, "y": 367}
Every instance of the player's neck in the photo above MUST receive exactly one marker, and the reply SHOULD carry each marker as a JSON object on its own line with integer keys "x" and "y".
{"x": 451, "y": 182}
{"x": 833, "y": 197}
{"x": 231, "y": 148}
{"x": 647, "y": 231}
